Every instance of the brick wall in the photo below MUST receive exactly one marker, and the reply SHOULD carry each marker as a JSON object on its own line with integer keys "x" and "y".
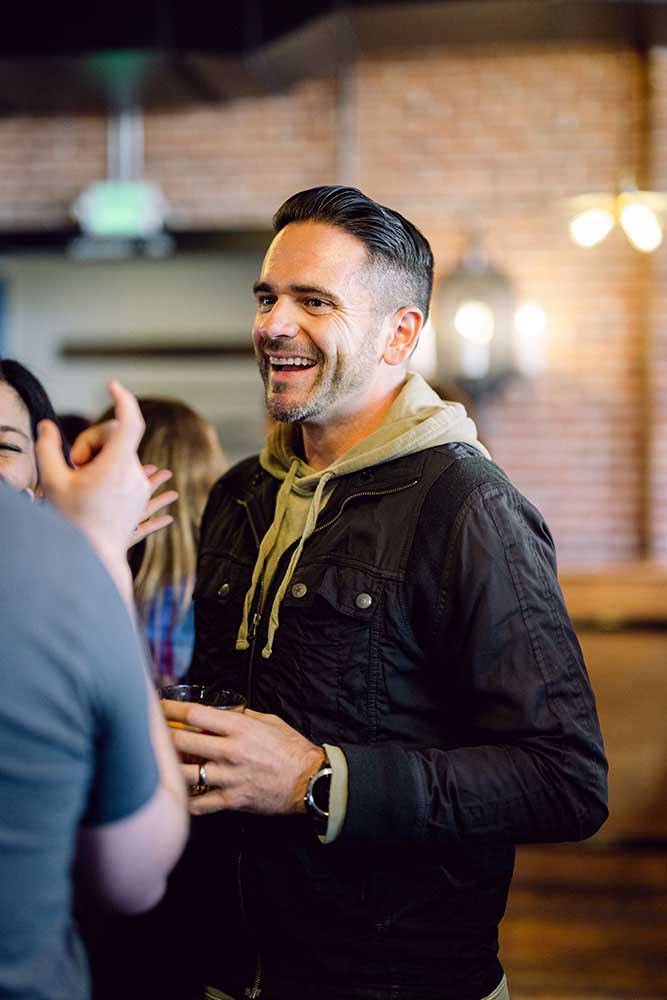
{"x": 657, "y": 369}
{"x": 491, "y": 141}
{"x": 44, "y": 163}
{"x": 483, "y": 139}
{"x": 234, "y": 165}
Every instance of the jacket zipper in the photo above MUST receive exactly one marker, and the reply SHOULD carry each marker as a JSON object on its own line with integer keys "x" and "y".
{"x": 255, "y": 991}
{"x": 259, "y": 608}
{"x": 366, "y": 493}
{"x": 259, "y": 611}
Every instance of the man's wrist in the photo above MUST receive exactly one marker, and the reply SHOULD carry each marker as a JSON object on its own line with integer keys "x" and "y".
{"x": 312, "y": 766}
{"x": 317, "y": 797}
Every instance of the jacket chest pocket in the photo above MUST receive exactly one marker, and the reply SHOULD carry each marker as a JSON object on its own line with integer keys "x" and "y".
{"x": 218, "y": 600}
{"x": 328, "y": 643}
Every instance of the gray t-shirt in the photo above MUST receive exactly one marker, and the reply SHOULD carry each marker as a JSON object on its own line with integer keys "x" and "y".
{"x": 74, "y": 738}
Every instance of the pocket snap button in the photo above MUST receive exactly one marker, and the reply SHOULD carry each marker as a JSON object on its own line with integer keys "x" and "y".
{"x": 224, "y": 591}
{"x": 363, "y": 601}
{"x": 299, "y": 590}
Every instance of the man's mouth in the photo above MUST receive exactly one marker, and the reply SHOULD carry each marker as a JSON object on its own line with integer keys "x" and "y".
{"x": 292, "y": 363}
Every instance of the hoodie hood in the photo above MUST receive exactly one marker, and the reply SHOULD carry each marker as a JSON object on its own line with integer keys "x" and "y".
{"x": 418, "y": 419}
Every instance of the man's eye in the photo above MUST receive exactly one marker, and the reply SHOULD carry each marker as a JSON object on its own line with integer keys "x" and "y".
{"x": 265, "y": 302}
{"x": 318, "y": 304}
{"x": 10, "y": 447}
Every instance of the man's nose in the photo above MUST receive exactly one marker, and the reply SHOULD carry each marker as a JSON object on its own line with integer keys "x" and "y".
{"x": 280, "y": 321}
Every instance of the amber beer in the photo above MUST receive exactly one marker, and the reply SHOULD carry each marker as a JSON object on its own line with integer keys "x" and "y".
{"x": 200, "y": 694}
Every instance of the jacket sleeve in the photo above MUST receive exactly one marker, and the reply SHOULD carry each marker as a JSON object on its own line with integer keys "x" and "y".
{"x": 528, "y": 764}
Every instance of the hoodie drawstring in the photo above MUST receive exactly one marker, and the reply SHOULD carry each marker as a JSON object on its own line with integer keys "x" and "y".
{"x": 308, "y": 529}
{"x": 267, "y": 543}
{"x": 418, "y": 419}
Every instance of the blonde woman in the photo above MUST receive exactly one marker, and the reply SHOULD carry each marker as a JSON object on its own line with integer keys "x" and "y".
{"x": 163, "y": 566}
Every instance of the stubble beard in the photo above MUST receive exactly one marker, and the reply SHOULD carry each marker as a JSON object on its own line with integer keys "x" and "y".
{"x": 348, "y": 377}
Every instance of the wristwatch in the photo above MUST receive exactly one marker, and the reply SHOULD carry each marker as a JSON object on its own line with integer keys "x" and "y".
{"x": 316, "y": 799}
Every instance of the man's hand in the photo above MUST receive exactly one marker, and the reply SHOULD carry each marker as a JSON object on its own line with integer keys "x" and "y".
{"x": 106, "y": 497}
{"x": 254, "y": 762}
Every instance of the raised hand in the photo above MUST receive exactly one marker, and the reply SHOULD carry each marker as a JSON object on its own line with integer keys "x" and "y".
{"x": 106, "y": 495}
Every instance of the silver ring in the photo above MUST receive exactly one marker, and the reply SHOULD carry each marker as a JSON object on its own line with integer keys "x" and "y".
{"x": 202, "y": 776}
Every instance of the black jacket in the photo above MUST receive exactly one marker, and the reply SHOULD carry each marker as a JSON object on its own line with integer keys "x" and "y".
{"x": 458, "y": 695}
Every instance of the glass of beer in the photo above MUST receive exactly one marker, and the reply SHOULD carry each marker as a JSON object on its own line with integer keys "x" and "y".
{"x": 200, "y": 694}
{"x": 204, "y": 694}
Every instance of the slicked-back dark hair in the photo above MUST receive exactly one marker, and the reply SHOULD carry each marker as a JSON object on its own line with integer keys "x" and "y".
{"x": 32, "y": 394}
{"x": 393, "y": 244}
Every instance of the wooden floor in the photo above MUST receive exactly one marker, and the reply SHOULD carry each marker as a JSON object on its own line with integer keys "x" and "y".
{"x": 587, "y": 923}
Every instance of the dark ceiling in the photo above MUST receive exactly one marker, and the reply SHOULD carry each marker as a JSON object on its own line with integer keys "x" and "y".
{"x": 80, "y": 27}
{"x": 83, "y": 56}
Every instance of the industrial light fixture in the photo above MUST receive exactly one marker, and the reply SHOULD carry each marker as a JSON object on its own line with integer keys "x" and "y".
{"x": 483, "y": 339}
{"x": 640, "y": 215}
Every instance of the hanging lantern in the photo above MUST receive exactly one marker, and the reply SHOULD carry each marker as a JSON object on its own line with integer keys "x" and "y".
{"x": 475, "y": 308}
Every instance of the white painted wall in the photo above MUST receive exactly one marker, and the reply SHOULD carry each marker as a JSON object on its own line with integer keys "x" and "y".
{"x": 50, "y": 300}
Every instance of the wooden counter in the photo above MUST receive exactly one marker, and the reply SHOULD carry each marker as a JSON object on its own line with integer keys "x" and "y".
{"x": 621, "y": 621}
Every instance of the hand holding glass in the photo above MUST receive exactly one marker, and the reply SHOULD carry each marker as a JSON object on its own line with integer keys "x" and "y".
{"x": 200, "y": 694}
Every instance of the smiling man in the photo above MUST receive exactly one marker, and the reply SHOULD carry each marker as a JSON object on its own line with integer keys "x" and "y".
{"x": 388, "y": 601}
{"x": 319, "y": 341}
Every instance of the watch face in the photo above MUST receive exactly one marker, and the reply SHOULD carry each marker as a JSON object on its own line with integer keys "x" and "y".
{"x": 321, "y": 790}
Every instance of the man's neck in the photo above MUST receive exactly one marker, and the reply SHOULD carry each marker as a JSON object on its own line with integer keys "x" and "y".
{"x": 324, "y": 443}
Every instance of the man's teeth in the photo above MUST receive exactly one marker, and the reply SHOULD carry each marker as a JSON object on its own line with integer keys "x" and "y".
{"x": 292, "y": 361}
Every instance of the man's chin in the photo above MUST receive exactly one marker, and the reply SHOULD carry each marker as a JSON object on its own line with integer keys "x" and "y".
{"x": 287, "y": 411}
{"x": 284, "y": 413}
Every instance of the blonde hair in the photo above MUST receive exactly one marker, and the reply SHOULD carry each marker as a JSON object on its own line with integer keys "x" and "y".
{"x": 176, "y": 438}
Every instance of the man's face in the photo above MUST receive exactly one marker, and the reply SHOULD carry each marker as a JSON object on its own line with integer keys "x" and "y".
{"x": 318, "y": 331}
{"x": 17, "y": 450}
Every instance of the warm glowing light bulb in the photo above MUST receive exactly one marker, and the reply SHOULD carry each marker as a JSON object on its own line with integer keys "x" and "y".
{"x": 641, "y": 226}
{"x": 530, "y": 327}
{"x": 530, "y": 320}
{"x": 589, "y": 228}
{"x": 474, "y": 321}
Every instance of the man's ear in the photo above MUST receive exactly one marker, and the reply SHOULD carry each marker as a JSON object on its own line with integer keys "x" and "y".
{"x": 406, "y": 324}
